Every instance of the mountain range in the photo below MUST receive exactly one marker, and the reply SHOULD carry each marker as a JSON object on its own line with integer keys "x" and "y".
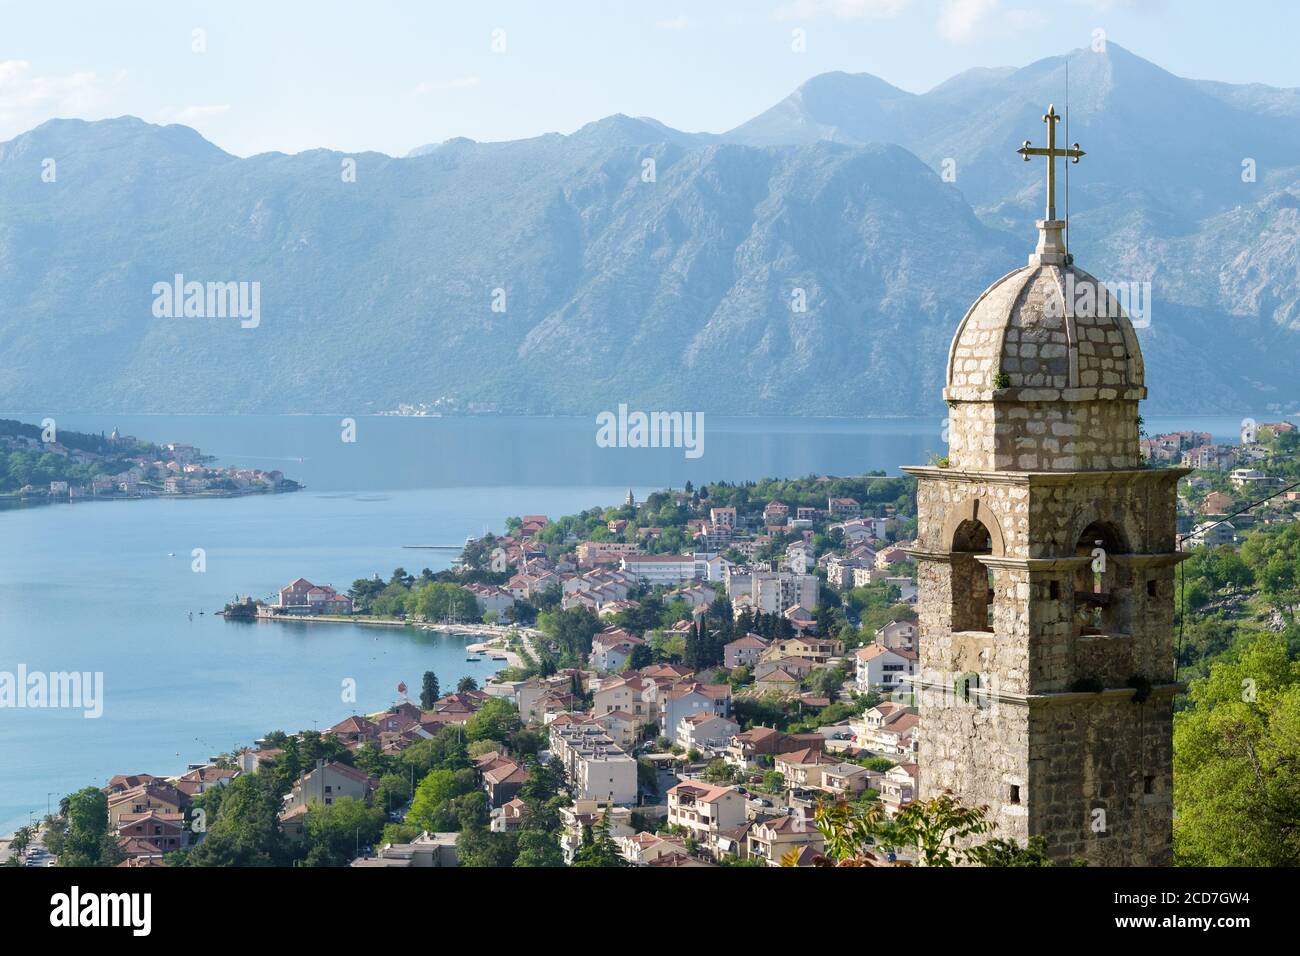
{"x": 569, "y": 274}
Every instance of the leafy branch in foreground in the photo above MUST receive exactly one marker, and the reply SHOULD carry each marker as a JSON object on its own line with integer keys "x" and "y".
{"x": 939, "y": 828}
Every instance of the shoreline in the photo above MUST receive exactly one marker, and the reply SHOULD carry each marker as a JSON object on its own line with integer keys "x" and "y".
{"x": 14, "y": 498}
{"x": 494, "y": 631}
{"x": 495, "y": 634}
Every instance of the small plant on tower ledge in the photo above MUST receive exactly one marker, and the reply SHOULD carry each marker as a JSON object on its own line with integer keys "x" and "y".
{"x": 1141, "y": 687}
{"x": 1087, "y": 685}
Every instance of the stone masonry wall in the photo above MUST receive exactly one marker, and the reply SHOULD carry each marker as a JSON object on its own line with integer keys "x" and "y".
{"x": 1094, "y": 753}
{"x": 1024, "y": 433}
{"x": 1068, "y": 753}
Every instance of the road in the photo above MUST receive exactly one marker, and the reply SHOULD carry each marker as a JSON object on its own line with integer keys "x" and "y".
{"x": 39, "y": 858}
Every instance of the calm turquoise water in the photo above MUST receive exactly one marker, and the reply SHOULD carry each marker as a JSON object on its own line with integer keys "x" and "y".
{"x": 91, "y": 586}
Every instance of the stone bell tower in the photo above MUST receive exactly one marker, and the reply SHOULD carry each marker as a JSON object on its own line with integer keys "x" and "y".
{"x": 1046, "y": 556}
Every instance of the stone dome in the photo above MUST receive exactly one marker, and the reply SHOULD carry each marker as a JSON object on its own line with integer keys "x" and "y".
{"x": 1051, "y": 331}
{"x": 1045, "y": 372}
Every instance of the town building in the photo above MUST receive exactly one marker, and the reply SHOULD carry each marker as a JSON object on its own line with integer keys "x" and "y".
{"x": 743, "y": 651}
{"x": 1211, "y": 534}
{"x": 773, "y": 838}
{"x": 595, "y": 766}
{"x": 302, "y": 598}
{"x": 705, "y": 811}
{"x": 426, "y": 850}
{"x": 688, "y": 698}
{"x": 876, "y": 667}
{"x": 706, "y": 732}
{"x": 326, "y": 784}
{"x": 653, "y": 569}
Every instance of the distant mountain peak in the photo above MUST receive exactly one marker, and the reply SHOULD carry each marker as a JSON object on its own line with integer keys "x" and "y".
{"x": 620, "y": 129}
{"x": 171, "y": 139}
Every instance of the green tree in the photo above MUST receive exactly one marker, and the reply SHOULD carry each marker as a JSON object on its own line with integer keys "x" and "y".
{"x": 86, "y": 840}
{"x": 497, "y": 719}
{"x": 477, "y": 846}
{"x": 1236, "y": 750}
{"x": 445, "y": 749}
{"x": 941, "y": 829}
{"x": 437, "y": 600}
{"x": 431, "y": 798}
{"x": 718, "y": 771}
{"x": 538, "y": 848}
{"x": 246, "y": 831}
{"x": 1010, "y": 853}
{"x": 598, "y": 847}
{"x": 394, "y": 790}
{"x": 429, "y": 691}
{"x": 22, "y": 839}
{"x": 336, "y": 831}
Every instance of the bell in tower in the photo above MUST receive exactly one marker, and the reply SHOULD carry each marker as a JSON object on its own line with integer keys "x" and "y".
{"x": 1045, "y": 558}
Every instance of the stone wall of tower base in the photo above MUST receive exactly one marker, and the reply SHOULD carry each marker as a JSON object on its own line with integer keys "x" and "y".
{"x": 1100, "y": 782}
{"x": 978, "y": 751}
{"x": 1098, "y": 789}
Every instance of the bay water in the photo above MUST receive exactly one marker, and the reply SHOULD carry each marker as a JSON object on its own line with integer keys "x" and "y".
{"x": 110, "y": 587}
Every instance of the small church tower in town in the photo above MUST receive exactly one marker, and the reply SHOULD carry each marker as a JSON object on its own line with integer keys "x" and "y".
{"x": 1046, "y": 555}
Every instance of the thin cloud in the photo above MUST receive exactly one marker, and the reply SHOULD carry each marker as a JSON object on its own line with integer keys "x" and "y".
{"x": 962, "y": 21}
{"x": 676, "y": 23}
{"x": 27, "y": 100}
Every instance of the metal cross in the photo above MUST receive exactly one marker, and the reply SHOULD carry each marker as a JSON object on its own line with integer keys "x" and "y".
{"x": 1051, "y": 152}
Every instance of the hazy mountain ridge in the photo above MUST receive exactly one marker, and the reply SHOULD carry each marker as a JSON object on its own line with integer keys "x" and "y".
{"x": 674, "y": 293}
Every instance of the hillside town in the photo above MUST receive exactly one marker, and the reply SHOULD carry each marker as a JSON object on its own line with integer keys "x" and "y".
{"x": 38, "y": 464}
{"x": 658, "y": 707}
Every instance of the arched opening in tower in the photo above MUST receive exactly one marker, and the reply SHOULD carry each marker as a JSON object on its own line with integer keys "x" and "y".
{"x": 972, "y": 582}
{"x": 1098, "y": 584}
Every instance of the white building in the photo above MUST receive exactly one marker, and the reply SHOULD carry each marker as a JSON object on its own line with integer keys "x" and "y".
{"x": 612, "y": 649}
{"x": 492, "y": 599}
{"x": 690, "y": 698}
{"x": 774, "y": 591}
{"x": 877, "y": 667}
{"x": 655, "y": 569}
{"x": 897, "y": 634}
{"x": 597, "y": 768}
{"x": 704, "y": 731}
{"x": 1211, "y": 534}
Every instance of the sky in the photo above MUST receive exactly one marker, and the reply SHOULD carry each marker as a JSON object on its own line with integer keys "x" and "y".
{"x": 389, "y": 75}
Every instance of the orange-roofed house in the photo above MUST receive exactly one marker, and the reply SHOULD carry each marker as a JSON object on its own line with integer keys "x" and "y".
{"x": 705, "y": 811}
